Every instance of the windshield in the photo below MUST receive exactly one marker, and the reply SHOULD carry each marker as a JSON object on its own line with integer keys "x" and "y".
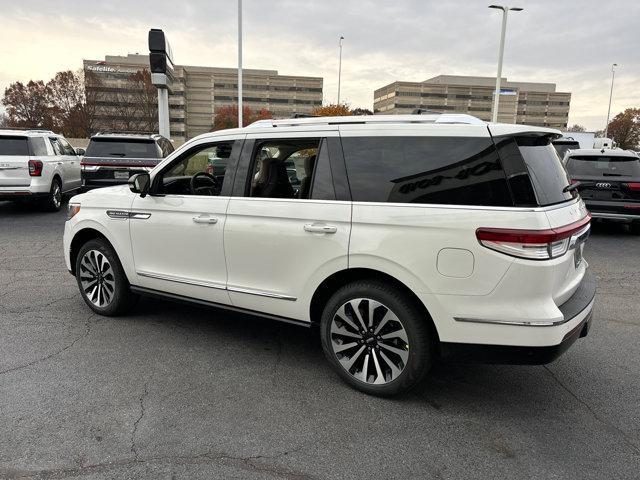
{"x": 119, "y": 148}
{"x": 548, "y": 176}
{"x": 14, "y": 146}
{"x": 604, "y": 166}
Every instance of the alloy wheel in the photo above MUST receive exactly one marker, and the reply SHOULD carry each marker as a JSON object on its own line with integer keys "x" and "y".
{"x": 56, "y": 195}
{"x": 369, "y": 341}
{"x": 97, "y": 278}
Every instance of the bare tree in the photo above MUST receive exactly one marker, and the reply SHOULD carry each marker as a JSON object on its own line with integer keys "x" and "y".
{"x": 145, "y": 97}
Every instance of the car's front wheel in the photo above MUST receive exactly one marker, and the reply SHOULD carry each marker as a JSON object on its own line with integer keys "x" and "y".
{"x": 101, "y": 279}
{"x": 376, "y": 338}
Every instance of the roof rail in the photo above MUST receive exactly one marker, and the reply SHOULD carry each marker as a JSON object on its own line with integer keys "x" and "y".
{"x": 440, "y": 118}
{"x": 125, "y": 132}
{"x": 422, "y": 111}
{"x": 27, "y": 129}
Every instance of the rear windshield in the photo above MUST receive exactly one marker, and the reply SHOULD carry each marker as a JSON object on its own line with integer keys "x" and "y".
{"x": 603, "y": 166}
{"x": 547, "y": 174}
{"x": 563, "y": 147}
{"x": 14, "y": 146}
{"x": 118, "y": 148}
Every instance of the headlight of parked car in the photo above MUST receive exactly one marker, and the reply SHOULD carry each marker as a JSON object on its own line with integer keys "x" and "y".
{"x": 72, "y": 210}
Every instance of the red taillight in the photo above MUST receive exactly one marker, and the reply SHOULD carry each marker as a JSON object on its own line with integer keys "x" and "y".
{"x": 35, "y": 168}
{"x": 531, "y": 244}
{"x": 633, "y": 185}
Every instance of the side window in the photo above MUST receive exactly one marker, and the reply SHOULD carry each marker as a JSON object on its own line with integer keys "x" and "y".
{"x": 283, "y": 168}
{"x": 201, "y": 171}
{"x": 323, "y": 188}
{"x": 66, "y": 147}
{"x": 57, "y": 149}
{"x": 431, "y": 170}
{"x": 38, "y": 147}
{"x": 168, "y": 147}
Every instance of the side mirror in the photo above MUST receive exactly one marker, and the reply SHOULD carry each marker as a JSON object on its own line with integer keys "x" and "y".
{"x": 140, "y": 183}
{"x": 80, "y": 151}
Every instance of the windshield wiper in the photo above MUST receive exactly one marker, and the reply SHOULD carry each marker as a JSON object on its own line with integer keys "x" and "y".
{"x": 605, "y": 174}
{"x": 577, "y": 186}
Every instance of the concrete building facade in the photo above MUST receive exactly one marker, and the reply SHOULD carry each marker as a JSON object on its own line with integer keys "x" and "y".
{"x": 520, "y": 102}
{"x": 198, "y": 92}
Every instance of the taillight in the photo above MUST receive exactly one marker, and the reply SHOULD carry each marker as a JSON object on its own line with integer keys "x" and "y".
{"x": 532, "y": 244}
{"x": 35, "y": 168}
{"x": 633, "y": 185}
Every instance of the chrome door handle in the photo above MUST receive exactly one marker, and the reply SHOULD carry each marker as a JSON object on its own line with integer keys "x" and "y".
{"x": 60, "y": 163}
{"x": 320, "y": 228}
{"x": 205, "y": 219}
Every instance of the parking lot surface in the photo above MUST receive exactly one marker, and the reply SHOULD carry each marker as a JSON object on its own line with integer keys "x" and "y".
{"x": 175, "y": 391}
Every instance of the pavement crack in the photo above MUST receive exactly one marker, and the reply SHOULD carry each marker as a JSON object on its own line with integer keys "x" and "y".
{"x": 134, "y": 448}
{"x": 87, "y": 330}
{"x": 624, "y": 436}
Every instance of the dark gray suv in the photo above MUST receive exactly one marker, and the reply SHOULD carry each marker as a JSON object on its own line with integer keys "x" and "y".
{"x": 111, "y": 158}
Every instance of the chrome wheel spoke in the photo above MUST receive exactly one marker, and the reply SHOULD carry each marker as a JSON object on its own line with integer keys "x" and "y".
{"x": 347, "y": 363}
{"x": 362, "y": 374}
{"x": 403, "y": 354}
{"x": 400, "y": 333}
{"x": 380, "y": 376}
{"x": 355, "y": 304}
{"x": 342, "y": 315}
{"x": 345, "y": 346}
{"x": 395, "y": 371}
{"x": 343, "y": 332}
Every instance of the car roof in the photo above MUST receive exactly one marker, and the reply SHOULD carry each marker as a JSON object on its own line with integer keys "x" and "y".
{"x": 353, "y": 122}
{"x": 128, "y": 136}
{"x": 30, "y": 132}
{"x": 603, "y": 152}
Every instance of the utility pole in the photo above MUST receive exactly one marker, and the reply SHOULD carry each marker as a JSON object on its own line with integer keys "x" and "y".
{"x": 340, "y": 68}
{"x": 240, "y": 123}
{"x": 496, "y": 96}
{"x": 613, "y": 77}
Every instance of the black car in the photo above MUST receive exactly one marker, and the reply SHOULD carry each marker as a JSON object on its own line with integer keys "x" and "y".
{"x": 609, "y": 183}
{"x": 111, "y": 158}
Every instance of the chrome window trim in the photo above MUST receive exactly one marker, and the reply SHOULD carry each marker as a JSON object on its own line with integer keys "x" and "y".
{"x": 261, "y": 293}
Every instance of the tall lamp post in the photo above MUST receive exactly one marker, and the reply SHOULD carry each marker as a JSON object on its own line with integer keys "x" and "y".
{"x": 240, "y": 64}
{"x": 340, "y": 69}
{"x": 496, "y": 96}
{"x": 613, "y": 77}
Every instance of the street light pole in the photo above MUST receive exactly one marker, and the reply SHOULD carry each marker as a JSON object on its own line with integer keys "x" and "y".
{"x": 340, "y": 69}
{"x": 496, "y": 95}
{"x": 613, "y": 77}
{"x": 240, "y": 123}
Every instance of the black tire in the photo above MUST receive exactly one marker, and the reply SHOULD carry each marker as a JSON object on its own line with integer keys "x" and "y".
{"x": 634, "y": 227}
{"x": 53, "y": 201}
{"x": 411, "y": 321}
{"x": 113, "y": 296}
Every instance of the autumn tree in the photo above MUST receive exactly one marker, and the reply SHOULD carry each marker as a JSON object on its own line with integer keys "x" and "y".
{"x": 361, "y": 111}
{"x": 576, "y": 128}
{"x": 227, "y": 116}
{"x": 67, "y": 99}
{"x": 29, "y": 105}
{"x": 332, "y": 110}
{"x": 4, "y": 120}
{"x": 624, "y": 129}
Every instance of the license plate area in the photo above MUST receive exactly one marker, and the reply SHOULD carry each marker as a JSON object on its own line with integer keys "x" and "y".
{"x": 121, "y": 175}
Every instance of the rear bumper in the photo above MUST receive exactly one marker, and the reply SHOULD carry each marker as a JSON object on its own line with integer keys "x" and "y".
{"x": 620, "y": 210}
{"x": 577, "y": 312}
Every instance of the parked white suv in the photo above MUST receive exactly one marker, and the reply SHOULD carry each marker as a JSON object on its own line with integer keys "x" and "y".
{"x": 37, "y": 164}
{"x": 404, "y": 238}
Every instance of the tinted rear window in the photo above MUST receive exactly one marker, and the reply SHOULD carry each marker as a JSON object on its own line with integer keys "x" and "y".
{"x": 435, "y": 170}
{"x": 38, "y": 146}
{"x": 122, "y": 148}
{"x": 14, "y": 146}
{"x": 563, "y": 147}
{"x": 546, "y": 172}
{"x": 603, "y": 166}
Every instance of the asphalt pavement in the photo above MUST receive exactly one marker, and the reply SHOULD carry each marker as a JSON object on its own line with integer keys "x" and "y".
{"x": 175, "y": 391}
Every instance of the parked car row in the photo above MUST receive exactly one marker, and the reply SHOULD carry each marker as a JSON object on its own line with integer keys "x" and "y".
{"x": 40, "y": 165}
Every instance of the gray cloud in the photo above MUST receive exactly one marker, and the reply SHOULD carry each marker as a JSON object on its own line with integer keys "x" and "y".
{"x": 571, "y": 43}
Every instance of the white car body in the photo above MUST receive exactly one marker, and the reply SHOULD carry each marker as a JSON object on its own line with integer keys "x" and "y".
{"x": 59, "y": 161}
{"x": 271, "y": 255}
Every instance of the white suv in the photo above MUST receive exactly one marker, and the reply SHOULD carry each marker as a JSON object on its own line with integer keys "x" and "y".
{"x": 403, "y": 238}
{"x": 37, "y": 164}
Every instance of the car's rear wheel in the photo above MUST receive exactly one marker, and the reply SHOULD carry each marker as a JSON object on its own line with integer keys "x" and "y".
{"x": 53, "y": 200}
{"x": 101, "y": 279}
{"x": 376, "y": 338}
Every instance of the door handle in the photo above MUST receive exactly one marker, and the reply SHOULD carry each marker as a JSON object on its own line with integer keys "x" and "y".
{"x": 60, "y": 163}
{"x": 320, "y": 228}
{"x": 205, "y": 219}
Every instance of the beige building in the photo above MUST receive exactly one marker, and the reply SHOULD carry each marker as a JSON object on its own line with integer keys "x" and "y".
{"x": 520, "y": 102}
{"x": 198, "y": 92}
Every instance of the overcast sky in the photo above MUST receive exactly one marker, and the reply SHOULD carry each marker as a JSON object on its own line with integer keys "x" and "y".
{"x": 569, "y": 42}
